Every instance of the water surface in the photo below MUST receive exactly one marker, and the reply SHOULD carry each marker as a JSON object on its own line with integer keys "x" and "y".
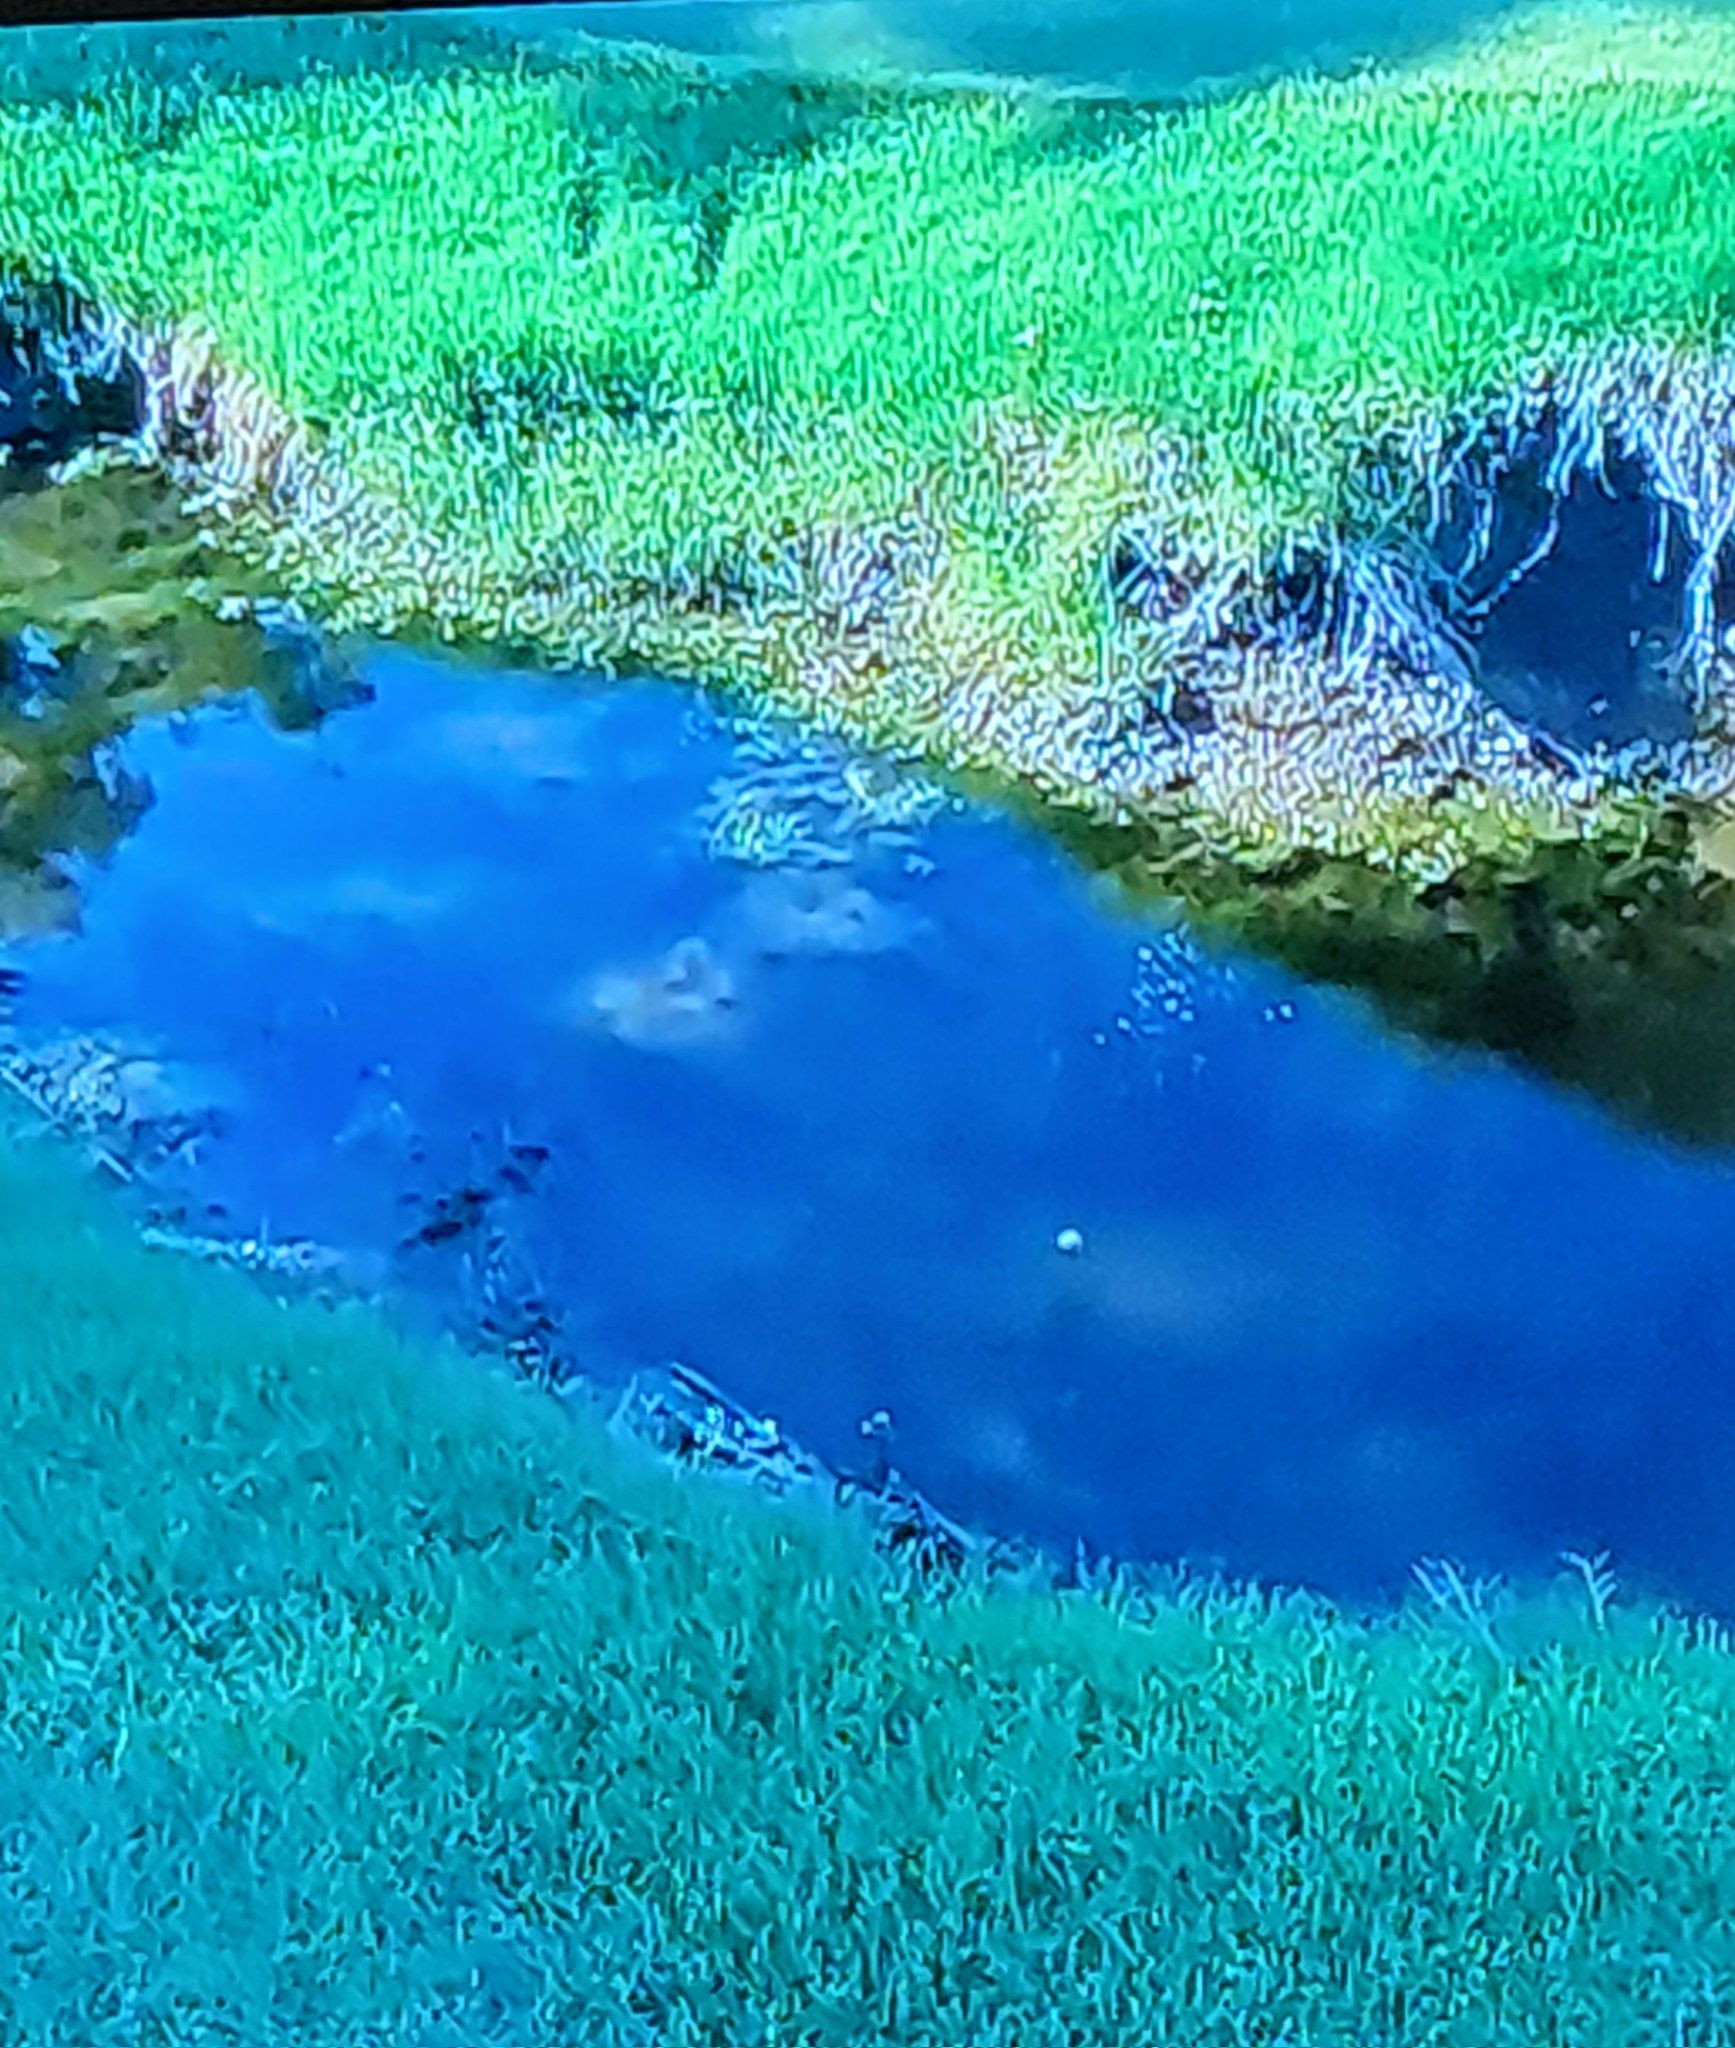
{"x": 1337, "y": 1302}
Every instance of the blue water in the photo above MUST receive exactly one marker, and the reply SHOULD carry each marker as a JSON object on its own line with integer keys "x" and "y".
{"x": 1342, "y": 1303}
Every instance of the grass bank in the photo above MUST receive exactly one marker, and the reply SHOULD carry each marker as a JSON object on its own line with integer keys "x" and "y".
{"x": 1004, "y": 427}
{"x": 352, "y": 1693}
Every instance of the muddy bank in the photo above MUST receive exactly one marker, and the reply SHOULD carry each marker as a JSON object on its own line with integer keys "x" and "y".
{"x": 1522, "y": 620}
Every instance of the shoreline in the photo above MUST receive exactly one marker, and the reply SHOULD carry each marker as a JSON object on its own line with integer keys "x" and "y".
{"x": 74, "y": 1086}
{"x": 1259, "y": 687}
{"x": 1434, "y": 936}
{"x": 1420, "y": 742}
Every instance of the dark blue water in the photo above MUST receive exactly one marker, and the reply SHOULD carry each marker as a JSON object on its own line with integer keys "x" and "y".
{"x": 1341, "y": 1303}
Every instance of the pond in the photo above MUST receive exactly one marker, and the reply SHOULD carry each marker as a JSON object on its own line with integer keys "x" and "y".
{"x": 856, "y": 1096}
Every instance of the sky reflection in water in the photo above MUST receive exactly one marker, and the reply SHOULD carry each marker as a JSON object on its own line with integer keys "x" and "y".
{"x": 1341, "y": 1304}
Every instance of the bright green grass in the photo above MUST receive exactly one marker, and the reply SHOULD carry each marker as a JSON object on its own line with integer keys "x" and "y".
{"x": 818, "y": 300}
{"x": 349, "y": 1692}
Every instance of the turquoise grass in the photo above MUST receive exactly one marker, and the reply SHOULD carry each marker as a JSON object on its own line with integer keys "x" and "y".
{"x": 351, "y": 1693}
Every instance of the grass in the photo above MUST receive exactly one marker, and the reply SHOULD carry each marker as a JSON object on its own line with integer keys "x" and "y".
{"x": 631, "y": 351}
{"x": 348, "y": 1693}
{"x": 351, "y": 1692}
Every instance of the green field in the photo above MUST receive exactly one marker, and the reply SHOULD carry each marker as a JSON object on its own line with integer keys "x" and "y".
{"x": 853, "y": 397}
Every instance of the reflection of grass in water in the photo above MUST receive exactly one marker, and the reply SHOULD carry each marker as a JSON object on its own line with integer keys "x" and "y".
{"x": 301, "y": 1614}
{"x": 111, "y": 567}
{"x": 800, "y": 798}
{"x": 122, "y": 587}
